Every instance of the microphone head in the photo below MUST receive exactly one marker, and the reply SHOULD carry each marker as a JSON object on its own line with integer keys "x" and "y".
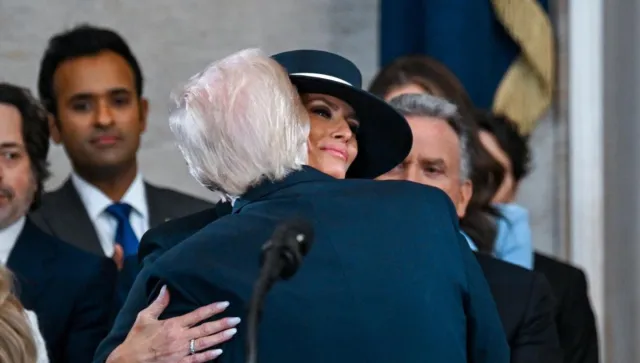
{"x": 295, "y": 232}
{"x": 291, "y": 241}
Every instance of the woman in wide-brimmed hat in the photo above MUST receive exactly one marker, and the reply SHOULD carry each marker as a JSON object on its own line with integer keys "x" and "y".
{"x": 353, "y": 133}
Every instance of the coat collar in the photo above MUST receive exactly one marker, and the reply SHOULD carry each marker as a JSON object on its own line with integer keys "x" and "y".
{"x": 267, "y": 187}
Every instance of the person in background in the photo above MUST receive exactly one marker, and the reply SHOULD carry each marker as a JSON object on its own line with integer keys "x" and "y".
{"x": 483, "y": 221}
{"x": 92, "y": 85}
{"x": 501, "y": 138}
{"x": 440, "y": 157}
{"x": 574, "y": 318}
{"x": 17, "y": 331}
{"x": 66, "y": 288}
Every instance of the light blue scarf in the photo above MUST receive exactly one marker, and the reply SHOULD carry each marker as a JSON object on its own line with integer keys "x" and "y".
{"x": 513, "y": 240}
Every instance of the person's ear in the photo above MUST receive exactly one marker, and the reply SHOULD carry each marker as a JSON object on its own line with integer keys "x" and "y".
{"x": 54, "y": 129}
{"x": 466, "y": 192}
{"x": 144, "y": 113}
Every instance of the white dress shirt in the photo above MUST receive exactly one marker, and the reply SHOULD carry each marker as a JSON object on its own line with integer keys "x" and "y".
{"x": 8, "y": 238}
{"x": 96, "y": 203}
{"x": 41, "y": 348}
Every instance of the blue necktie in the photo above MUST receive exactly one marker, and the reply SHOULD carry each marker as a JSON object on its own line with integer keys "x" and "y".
{"x": 125, "y": 236}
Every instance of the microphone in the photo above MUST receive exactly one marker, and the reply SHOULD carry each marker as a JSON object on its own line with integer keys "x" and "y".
{"x": 280, "y": 258}
{"x": 283, "y": 253}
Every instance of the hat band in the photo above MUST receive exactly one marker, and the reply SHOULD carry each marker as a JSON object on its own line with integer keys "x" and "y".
{"x": 323, "y": 76}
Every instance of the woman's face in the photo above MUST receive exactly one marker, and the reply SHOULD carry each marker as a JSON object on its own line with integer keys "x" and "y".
{"x": 332, "y": 139}
{"x": 507, "y": 191}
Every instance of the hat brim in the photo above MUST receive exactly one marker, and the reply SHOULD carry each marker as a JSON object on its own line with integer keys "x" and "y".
{"x": 384, "y": 136}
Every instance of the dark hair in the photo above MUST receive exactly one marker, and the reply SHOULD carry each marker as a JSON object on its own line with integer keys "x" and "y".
{"x": 427, "y": 73}
{"x": 35, "y": 131}
{"x": 515, "y": 145}
{"x": 486, "y": 173}
{"x": 81, "y": 41}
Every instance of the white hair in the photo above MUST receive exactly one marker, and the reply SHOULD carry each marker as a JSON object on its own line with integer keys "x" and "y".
{"x": 425, "y": 105}
{"x": 238, "y": 122}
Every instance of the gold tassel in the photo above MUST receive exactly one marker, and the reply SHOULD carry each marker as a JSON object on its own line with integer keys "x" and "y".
{"x": 526, "y": 90}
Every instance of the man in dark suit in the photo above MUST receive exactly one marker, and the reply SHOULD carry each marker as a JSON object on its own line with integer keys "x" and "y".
{"x": 64, "y": 286}
{"x": 356, "y": 286}
{"x": 574, "y": 315}
{"x": 526, "y": 307}
{"x": 523, "y": 298}
{"x": 440, "y": 157}
{"x": 333, "y": 305}
{"x": 92, "y": 85}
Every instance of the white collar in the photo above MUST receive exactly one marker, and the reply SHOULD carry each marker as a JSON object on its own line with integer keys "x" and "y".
{"x": 9, "y": 237}
{"x": 96, "y": 202}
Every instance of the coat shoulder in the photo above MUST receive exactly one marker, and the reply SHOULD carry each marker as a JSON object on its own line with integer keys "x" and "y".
{"x": 557, "y": 270}
{"x": 177, "y": 198}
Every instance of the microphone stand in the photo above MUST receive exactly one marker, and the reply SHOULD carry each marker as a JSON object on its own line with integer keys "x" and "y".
{"x": 280, "y": 259}
{"x": 282, "y": 262}
{"x": 260, "y": 290}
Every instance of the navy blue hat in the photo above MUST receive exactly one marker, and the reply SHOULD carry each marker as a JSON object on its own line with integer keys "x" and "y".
{"x": 384, "y": 136}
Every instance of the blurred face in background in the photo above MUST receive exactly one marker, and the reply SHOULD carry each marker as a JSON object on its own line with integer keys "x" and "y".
{"x": 435, "y": 160}
{"x": 100, "y": 116}
{"x": 17, "y": 181}
{"x": 332, "y": 138}
{"x": 507, "y": 191}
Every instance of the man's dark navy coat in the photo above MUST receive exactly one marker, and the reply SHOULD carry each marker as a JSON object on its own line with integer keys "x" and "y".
{"x": 392, "y": 285}
{"x": 523, "y": 298}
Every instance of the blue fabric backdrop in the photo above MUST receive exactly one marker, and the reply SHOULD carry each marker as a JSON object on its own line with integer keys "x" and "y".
{"x": 465, "y": 35}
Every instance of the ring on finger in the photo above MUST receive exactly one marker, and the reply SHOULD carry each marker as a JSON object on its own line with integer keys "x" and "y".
{"x": 192, "y": 347}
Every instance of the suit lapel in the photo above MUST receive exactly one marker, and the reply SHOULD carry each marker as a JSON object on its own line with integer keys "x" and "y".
{"x": 72, "y": 224}
{"x": 30, "y": 262}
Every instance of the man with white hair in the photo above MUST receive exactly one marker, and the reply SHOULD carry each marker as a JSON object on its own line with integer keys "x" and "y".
{"x": 359, "y": 296}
